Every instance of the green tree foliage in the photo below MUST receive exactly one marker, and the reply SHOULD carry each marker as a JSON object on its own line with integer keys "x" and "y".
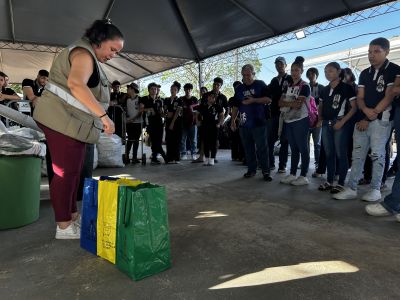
{"x": 227, "y": 66}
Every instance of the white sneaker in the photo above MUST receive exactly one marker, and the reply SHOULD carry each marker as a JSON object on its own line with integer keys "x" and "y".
{"x": 372, "y": 196}
{"x": 288, "y": 179}
{"x": 347, "y": 194}
{"x": 193, "y": 156}
{"x": 211, "y": 162}
{"x": 398, "y": 217}
{"x": 78, "y": 222}
{"x": 69, "y": 233}
{"x": 206, "y": 161}
{"x": 183, "y": 157}
{"x": 377, "y": 210}
{"x": 301, "y": 180}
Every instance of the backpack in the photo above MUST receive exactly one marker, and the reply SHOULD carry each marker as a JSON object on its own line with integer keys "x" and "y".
{"x": 312, "y": 110}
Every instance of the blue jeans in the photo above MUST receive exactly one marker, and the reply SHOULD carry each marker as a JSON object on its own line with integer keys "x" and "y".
{"x": 255, "y": 147}
{"x": 191, "y": 134}
{"x": 297, "y": 135}
{"x": 375, "y": 137}
{"x": 336, "y": 144}
{"x": 392, "y": 201}
{"x": 316, "y": 136}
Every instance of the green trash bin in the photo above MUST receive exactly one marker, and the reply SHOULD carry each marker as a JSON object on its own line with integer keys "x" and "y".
{"x": 19, "y": 190}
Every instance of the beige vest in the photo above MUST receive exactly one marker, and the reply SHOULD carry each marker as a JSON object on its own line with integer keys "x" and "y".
{"x": 53, "y": 112}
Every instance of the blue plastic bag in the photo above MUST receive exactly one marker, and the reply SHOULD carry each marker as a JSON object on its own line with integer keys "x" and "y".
{"x": 89, "y": 216}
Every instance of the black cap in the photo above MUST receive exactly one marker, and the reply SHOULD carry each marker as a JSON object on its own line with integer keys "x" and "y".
{"x": 133, "y": 86}
{"x": 152, "y": 84}
{"x": 280, "y": 59}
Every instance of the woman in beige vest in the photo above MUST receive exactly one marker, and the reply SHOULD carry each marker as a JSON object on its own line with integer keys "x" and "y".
{"x": 72, "y": 111}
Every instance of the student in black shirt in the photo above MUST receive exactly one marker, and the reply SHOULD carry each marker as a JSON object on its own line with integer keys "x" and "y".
{"x": 173, "y": 125}
{"x": 6, "y": 93}
{"x": 33, "y": 89}
{"x": 154, "y": 110}
{"x": 276, "y": 87}
{"x": 116, "y": 96}
{"x": 203, "y": 100}
{"x": 189, "y": 128}
{"x": 373, "y": 129}
{"x": 336, "y": 108}
{"x": 316, "y": 89}
{"x": 211, "y": 116}
{"x": 237, "y": 151}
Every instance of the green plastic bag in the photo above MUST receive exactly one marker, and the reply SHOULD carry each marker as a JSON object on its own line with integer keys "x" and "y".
{"x": 143, "y": 245}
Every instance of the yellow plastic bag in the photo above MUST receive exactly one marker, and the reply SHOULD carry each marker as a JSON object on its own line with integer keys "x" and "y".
{"x": 107, "y": 216}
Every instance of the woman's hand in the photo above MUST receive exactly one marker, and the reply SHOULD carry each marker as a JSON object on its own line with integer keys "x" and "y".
{"x": 108, "y": 125}
{"x": 338, "y": 125}
{"x": 171, "y": 126}
{"x": 319, "y": 124}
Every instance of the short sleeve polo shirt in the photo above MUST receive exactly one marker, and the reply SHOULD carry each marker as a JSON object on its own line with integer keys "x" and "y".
{"x": 374, "y": 82}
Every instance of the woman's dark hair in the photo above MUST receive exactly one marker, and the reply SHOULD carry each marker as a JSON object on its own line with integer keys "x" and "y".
{"x": 188, "y": 86}
{"x": 102, "y": 30}
{"x": 299, "y": 61}
{"x": 218, "y": 80}
{"x": 177, "y": 85}
{"x": 3, "y": 75}
{"x": 313, "y": 70}
{"x": 336, "y": 66}
{"x": 348, "y": 71}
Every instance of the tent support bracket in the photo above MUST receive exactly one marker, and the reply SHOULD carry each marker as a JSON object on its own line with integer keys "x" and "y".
{"x": 12, "y": 20}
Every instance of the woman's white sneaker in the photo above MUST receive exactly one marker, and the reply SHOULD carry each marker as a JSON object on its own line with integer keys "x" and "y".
{"x": 72, "y": 232}
{"x": 377, "y": 210}
{"x": 288, "y": 179}
{"x": 347, "y": 194}
{"x": 301, "y": 180}
{"x": 372, "y": 196}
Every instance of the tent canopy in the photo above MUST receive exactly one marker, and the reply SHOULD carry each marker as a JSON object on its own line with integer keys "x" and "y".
{"x": 159, "y": 35}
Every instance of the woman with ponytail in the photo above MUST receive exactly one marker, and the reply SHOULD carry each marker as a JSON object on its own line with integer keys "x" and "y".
{"x": 336, "y": 108}
{"x": 293, "y": 104}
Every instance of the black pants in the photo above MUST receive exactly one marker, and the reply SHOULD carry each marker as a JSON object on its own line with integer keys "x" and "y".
{"x": 210, "y": 139}
{"x": 156, "y": 134}
{"x": 134, "y": 130}
{"x": 237, "y": 151}
{"x": 173, "y": 140}
{"x": 322, "y": 161}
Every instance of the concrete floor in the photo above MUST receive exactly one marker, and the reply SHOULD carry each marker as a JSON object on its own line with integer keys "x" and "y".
{"x": 231, "y": 238}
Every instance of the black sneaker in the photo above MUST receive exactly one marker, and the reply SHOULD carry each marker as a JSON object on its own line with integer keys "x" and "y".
{"x": 135, "y": 161}
{"x": 267, "y": 177}
{"x": 272, "y": 168}
{"x": 155, "y": 162}
{"x": 249, "y": 174}
{"x": 215, "y": 161}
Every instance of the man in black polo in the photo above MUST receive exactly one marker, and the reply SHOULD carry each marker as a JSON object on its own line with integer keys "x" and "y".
{"x": 372, "y": 131}
{"x": 33, "y": 89}
{"x": 153, "y": 109}
{"x": 117, "y": 97}
{"x": 220, "y": 99}
{"x": 276, "y": 87}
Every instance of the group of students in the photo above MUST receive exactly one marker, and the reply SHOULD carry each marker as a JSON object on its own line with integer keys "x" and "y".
{"x": 353, "y": 121}
{"x": 188, "y": 123}
{"x": 348, "y": 122}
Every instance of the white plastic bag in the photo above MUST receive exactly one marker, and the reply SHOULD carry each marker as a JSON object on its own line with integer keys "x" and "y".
{"x": 109, "y": 151}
